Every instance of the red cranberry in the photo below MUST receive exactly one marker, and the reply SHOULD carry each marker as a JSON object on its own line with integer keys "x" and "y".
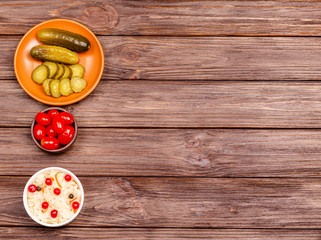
{"x": 32, "y": 188}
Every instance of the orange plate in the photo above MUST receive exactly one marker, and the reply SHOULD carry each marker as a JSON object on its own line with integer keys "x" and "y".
{"x": 92, "y": 60}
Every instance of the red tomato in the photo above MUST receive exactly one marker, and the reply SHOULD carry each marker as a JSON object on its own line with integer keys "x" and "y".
{"x": 43, "y": 119}
{"x": 52, "y": 113}
{"x": 67, "y": 117}
{"x": 50, "y": 132}
{"x": 49, "y": 143}
{"x": 58, "y": 124}
{"x": 39, "y": 131}
{"x": 67, "y": 135}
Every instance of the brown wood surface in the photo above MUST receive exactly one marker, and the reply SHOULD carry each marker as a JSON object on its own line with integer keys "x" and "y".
{"x": 126, "y": 17}
{"x": 198, "y": 58}
{"x": 37, "y": 233}
{"x": 171, "y": 152}
{"x": 206, "y": 124}
{"x": 174, "y": 104}
{"x": 182, "y": 202}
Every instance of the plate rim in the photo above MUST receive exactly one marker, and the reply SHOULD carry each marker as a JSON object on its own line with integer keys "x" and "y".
{"x": 70, "y": 101}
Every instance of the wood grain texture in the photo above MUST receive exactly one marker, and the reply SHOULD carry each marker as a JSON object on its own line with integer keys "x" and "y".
{"x": 37, "y": 233}
{"x": 171, "y": 152}
{"x": 199, "y": 58}
{"x": 126, "y": 17}
{"x": 182, "y": 202}
{"x": 212, "y": 58}
{"x": 180, "y": 104}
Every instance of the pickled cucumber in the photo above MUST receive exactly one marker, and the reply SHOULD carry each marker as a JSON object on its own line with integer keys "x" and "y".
{"x": 63, "y": 38}
{"x": 53, "y": 68}
{"x": 65, "y": 87}
{"x": 61, "y": 71}
{"x": 40, "y": 74}
{"x": 77, "y": 70}
{"x": 55, "y": 88}
{"x": 54, "y": 54}
{"x": 78, "y": 84}
{"x": 67, "y": 73}
{"x": 46, "y": 86}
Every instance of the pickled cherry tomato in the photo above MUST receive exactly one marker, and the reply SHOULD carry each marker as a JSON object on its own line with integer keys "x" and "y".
{"x": 67, "y": 117}
{"x": 50, "y": 132}
{"x": 45, "y": 205}
{"x": 54, "y": 213}
{"x": 32, "y": 188}
{"x": 53, "y": 113}
{"x": 48, "y": 181}
{"x": 67, "y": 177}
{"x": 75, "y": 205}
{"x": 39, "y": 131}
{"x": 43, "y": 119}
{"x": 67, "y": 135}
{"x": 57, "y": 191}
{"x": 49, "y": 143}
{"x": 58, "y": 124}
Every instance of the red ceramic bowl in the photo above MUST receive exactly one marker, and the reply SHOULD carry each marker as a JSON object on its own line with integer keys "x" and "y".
{"x": 63, "y": 148}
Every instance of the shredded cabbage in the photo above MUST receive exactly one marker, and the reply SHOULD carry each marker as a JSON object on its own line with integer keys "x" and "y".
{"x": 62, "y": 203}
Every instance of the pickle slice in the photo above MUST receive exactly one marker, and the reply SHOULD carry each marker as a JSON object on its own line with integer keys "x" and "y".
{"x": 77, "y": 70}
{"x": 61, "y": 71}
{"x": 67, "y": 73}
{"x": 55, "y": 88}
{"x": 53, "y": 68}
{"x": 46, "y": 86}
{"x": 40, "y": 74}
{"x": 65, "y": 87}
{"x": 78, "y": 84}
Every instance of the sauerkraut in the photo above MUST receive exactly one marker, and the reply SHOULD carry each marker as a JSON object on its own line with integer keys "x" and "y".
{"x": 62, "y": 202}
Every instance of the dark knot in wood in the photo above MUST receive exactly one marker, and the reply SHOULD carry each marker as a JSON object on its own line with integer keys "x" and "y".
{"x": 98, "y": 16}
{"x": 200, "y": 160}
{"x": 193, "y": 143}
{"x": 130, "y": 54}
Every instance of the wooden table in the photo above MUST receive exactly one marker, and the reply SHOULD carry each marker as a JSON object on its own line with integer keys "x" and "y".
{"x": 206, "y": 124}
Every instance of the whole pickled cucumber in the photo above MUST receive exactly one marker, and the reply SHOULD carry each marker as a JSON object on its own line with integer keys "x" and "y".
{"x": 63, "y": 38}
{"x": 54, "y": 54}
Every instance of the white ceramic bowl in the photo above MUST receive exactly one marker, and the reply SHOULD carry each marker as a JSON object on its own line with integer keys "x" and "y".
{"x": 25, "y": 192}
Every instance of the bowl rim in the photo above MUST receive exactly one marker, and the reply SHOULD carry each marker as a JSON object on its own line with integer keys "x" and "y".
{"x": 25, "y": 192}
{"x": 58, "y": 150}
{"x": 70, "y": 101}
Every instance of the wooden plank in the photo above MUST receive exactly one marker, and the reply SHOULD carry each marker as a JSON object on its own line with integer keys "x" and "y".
{"x": 171, "y": 152}
{"x": 37, "y": 233}
{"x": 199, "y": 58}
{"x": 182, "y": 202}
{"x": 212, "y": 58}
{"x": 180, "y": 104}
{"x": 125, "y": 17}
